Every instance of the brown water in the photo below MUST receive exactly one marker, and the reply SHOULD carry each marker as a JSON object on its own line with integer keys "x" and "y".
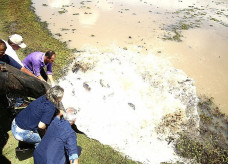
{"x": 145, "y": 26}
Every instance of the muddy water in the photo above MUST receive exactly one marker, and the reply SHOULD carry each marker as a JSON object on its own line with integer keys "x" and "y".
{"x": 192, "y": 34}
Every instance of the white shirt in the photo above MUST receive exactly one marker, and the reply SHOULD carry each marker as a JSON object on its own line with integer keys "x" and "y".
{"x": 10, "y": 52}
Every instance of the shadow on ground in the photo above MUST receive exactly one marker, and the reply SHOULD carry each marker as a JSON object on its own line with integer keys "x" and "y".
{"x": 5, "y": 123}
{"x": 6, "y": 117}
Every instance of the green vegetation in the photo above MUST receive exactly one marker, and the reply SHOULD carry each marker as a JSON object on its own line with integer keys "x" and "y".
{"x": 177, "y": 36}
{"x": 65, "y": 29}
{"x": 62, "y": 11}
{"x": 58, "y": 34}
{"x": 190, "y": 17}
{"x": 214, "y": 19}
{"x": 92, "y": 152}
{"x": 211, "y": 145}
{"x": 201, "y": 152}
{"x": 174, "y": 35}
{"x": 184, "y": 26}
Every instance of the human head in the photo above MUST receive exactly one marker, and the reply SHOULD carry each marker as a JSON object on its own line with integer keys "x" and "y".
{"x": 55, "y": 94}
{"x": 2, "y": 48}
{"x": 70, "y": 115}
{"x": 50, "y": 57}
{"x": 16, "y": 41}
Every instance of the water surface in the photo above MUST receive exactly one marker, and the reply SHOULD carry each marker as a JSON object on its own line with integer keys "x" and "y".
{"x": 146, "y": 26}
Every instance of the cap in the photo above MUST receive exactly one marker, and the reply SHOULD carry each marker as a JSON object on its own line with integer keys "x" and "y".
{"x": 17, "y": 39}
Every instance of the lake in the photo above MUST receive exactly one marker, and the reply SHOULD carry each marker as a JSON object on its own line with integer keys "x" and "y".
{"x": 193, "y": 35}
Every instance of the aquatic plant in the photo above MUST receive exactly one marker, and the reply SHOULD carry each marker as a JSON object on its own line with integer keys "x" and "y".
{"x": 211, "y": 146}
{"x": 190, "y": 17}
{"x": 174, "y": 35}
{"x": 62, "y": 11}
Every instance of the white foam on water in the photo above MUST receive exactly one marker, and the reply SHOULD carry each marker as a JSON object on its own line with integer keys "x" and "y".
{"x": 125, "y": 100}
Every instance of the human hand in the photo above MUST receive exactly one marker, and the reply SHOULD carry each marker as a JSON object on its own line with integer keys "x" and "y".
{"x": 52, "y": 84}
{"x": 61, "y": 112}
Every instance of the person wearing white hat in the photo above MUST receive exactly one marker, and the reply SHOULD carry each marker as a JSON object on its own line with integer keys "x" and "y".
{"x": 15, "y": 42}
{"x": 9, "y": 60}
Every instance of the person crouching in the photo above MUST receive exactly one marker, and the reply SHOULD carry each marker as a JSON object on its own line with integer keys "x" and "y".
{"x": 59, "y": 143}
{"x": 37, "y": 115}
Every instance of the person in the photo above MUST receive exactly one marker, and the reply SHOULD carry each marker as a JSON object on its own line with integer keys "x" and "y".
{"x": 9, "y": 60}
{"x": 14, "y": 43}
{"x": 59, "y": 143}
{"x": 35, "y": 62}
{"x": 36, "y": 116}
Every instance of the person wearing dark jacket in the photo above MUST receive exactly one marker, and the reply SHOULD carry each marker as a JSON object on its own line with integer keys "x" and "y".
{"x": 59, "y": 142}
{"x": 37, "y": 115}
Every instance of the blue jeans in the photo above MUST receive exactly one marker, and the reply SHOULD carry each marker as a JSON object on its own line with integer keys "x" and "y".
{"x": 25, "y": 135}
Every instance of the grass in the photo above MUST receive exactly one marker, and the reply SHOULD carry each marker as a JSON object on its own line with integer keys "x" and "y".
{"x": 203, "y": 153}
{"x": 92, "y": 152}
{"x": 17, "y": 17}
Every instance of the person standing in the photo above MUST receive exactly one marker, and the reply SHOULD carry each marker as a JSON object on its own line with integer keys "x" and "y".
{"x": 36, "y": 61}
{"x": 14, "y": 43}
{"x": 36, "y": 116}
{"x": 59, "y": 143}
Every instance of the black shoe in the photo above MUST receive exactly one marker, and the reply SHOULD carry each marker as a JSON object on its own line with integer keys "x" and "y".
{"x": 25, "y": 146}
{"x": 23, "y": 153}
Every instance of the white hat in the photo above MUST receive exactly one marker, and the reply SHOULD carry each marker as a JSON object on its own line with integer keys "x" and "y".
{"x": 17, "y": 39}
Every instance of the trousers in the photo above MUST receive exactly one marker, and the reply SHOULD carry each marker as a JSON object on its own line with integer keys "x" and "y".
{"x": 25, "y": 135}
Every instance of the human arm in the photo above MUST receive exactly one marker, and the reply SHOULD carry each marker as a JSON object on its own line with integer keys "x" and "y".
{"x": 61, "y": 112}
{"x": 49, "y": 73}
{"x": 41, "y": 78}
{"x": 47, "y": 115}
{"x": 51, "y": 79}
{"x": 41, "y": 125}
{"x": 41, "y": 128}
{"x": 73, "y": 151}
{"x": 23, "y": 69}
{"x": 9, "y": 60}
